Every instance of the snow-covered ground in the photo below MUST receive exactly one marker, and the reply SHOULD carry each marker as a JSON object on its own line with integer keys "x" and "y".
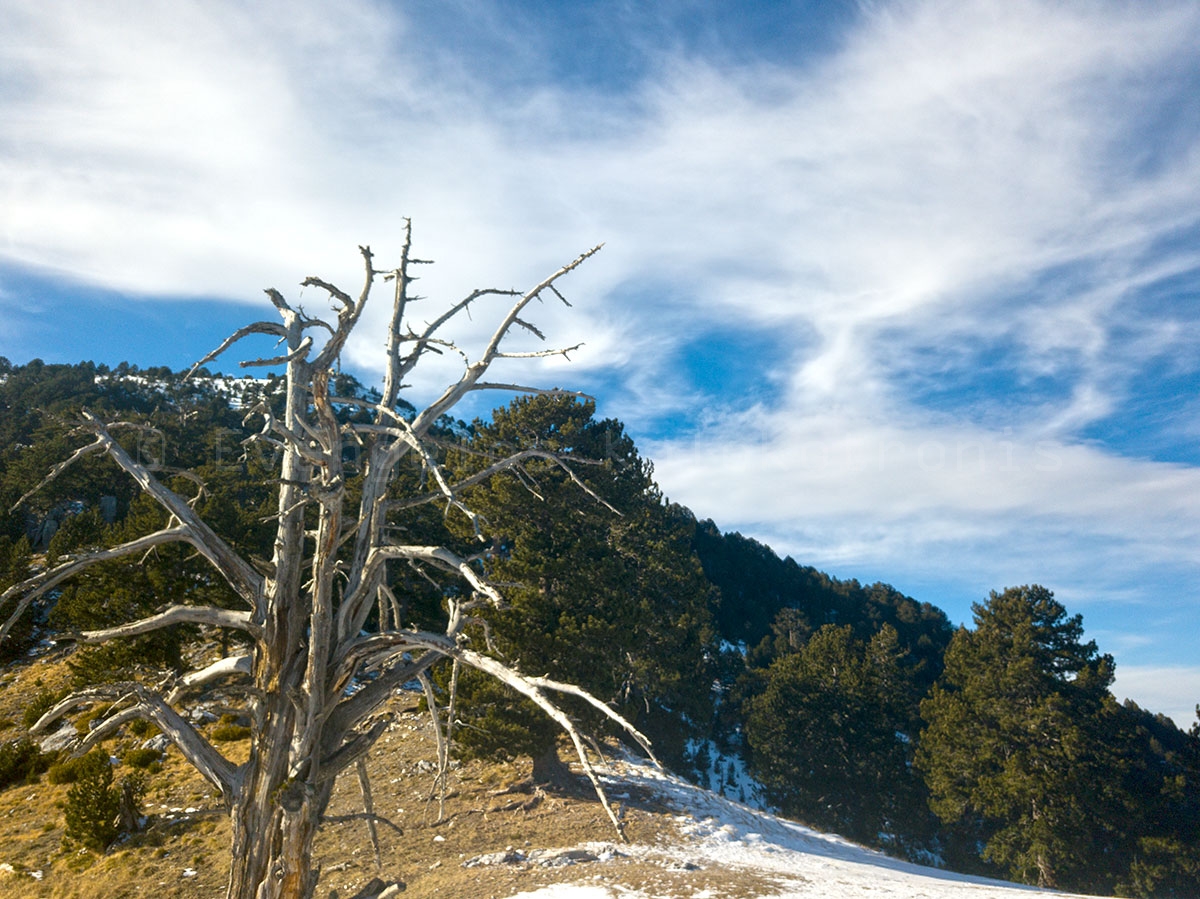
{"x": 715, "y": 831}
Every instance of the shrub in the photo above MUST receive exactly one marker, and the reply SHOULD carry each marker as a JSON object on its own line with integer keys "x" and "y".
{"x": 141, "y": 758}
{"x": 39, "y": 705}
{"x": 65, "y": 772}
{"x": 93, "y": 804}
{"x": 140, "y": 727}
{"x": 21, "y": 761}
{"x": 228, "y": 733}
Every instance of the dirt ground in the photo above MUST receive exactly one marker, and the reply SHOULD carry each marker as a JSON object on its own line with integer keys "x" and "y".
{"x": 496, "y": 835}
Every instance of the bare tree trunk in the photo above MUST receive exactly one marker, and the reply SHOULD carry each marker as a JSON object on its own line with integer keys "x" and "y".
{"x": 128, "y": 818}
{"x": 550, "y": 769}
{"x": 275, "y": 857}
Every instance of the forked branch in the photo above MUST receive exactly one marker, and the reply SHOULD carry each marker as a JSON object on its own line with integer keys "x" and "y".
{"x": 218, "y": 770}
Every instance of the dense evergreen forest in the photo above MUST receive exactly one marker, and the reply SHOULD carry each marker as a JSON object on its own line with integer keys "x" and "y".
{"x": 995, "y": 748}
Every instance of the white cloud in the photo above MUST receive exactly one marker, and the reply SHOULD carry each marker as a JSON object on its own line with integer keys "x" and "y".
{"x": 1165, "y": 689}
{"x": 841, "y": 488}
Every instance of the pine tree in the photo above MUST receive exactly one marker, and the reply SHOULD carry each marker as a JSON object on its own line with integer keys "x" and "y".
{"x": 609, "y": 598}
{"x": 93, "y": 804}
{"x": 827, "y": 734}
{"x": 1014, "y": 746}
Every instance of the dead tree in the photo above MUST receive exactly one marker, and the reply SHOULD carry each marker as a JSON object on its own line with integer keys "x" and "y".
{"x": 305, "y": 616}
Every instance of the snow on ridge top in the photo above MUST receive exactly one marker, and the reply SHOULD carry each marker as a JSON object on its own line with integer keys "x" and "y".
{"x": 235, "y": 390}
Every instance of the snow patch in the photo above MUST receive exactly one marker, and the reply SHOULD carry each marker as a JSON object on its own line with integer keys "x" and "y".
{"x": 726, "y": 775}
{"x": 716, "y": 831}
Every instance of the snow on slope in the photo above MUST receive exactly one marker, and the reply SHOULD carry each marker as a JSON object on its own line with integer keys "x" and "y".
{"x": 714, "y": 831}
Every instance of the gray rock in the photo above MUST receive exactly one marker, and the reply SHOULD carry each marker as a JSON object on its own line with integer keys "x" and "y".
{"x": 60, "y": 739}
{"x": 159, "y": 743}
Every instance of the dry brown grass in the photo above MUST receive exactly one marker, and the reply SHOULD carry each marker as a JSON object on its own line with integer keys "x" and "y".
{"x": 188, "y": 831}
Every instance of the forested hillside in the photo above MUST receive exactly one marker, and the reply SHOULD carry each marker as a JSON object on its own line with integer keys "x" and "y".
{"x": 995, "y": 748}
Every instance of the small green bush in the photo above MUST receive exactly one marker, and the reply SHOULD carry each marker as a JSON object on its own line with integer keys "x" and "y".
{"x": 140, "y": 727}
{"x": 229, "y": 733}
{"x": 21, "y": 761}
{"x": 141, "y": 758}
{"x": 39, "y": 705}
{"x": 65, "y": 772}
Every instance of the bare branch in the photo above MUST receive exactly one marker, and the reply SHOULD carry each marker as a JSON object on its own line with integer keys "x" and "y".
{"x": 441, "y": 738}
{"x": 423, "y": 341}
{"x": 352, "y": 711}
{"x": 307, "y": 323}
{"x": 509, "y": 463}
{"x": 198, "y": 751}
{"x": 528, "y": 688}
{"x": 279, "y": 303}
{"x": 349, "y": 314}
{"x": 511, "y": 318}
{"x": 559, "y": 687}
{"x": 532, "y": 329}
{"x": 352, "y": 750}
{"x": 365, "y": 653}
{"x": 340, "y": 295}
{"x": 37, "y": 586}
{"x": 554, "y": 290}
{"x": 539, "y": 354}
{"x": 293, "y": 439}
{"x": 392, "y": 374}
{"x": 476, "y": 370}
{"x": 178, "y": 614}
{"x": 342, "y": 819}
{"x": 360, "y": 591}
{"x": 230, "y": 666}
{"x": 379, "y": 408}
{"x": 272, "y": 328}
{"x": 441, "y": 557}
{"x": 96, "y": 447}
{"x": 298, "y": 353}
{"x": 109, "y": 725}
{"x": 245, "y": 581}
{"x": 406, "y": 434}
{"x": 533, "y": 391}
{"x": 364, "y": 786}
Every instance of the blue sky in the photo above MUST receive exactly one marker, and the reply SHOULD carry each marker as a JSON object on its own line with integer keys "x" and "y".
{"x": 907, "y": 290}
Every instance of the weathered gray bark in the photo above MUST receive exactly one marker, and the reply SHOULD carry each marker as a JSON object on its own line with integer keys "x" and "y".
{"x": 306, "y": 618}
